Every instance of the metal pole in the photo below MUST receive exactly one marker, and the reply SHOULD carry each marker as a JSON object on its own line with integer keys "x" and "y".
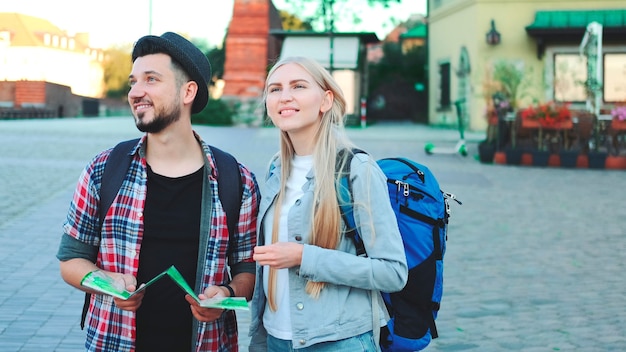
{"x": 331, "y": 29}
{"x": 150, "y": 17}
{"x": 363, "y": 112}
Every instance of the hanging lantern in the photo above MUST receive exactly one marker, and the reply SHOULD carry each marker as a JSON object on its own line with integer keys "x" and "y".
{"x": 493, "y": 36}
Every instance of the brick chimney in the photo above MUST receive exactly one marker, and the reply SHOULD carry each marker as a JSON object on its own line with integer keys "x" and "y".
{"x": 248, "y": 48}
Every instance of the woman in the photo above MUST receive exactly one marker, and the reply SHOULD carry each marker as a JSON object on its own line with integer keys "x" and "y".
{"x": 312, "y": 292}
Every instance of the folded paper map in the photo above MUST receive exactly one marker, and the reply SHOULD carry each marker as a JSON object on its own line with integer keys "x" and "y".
{"x": 101, "y": 282}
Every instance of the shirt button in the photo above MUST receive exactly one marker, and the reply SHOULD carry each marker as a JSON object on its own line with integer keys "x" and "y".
{"x": 298, "y": 272}
{"x": 300, "y": 306}
{"x": 298, "y": 238}
{"x": 298, "y": 202}
{"x": 139, "y": 215}
{"x": 302, "y": 342}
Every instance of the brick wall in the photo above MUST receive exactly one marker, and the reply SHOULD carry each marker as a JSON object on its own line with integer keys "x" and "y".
{"x": 30, "y": 93}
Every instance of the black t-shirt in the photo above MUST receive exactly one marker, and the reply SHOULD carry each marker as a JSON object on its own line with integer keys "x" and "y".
{"x": 170, "y": 237}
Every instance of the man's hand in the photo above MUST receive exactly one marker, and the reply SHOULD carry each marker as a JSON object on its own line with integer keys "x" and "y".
{"x": 207, "y": 314}
{"x": 129, "y": 283}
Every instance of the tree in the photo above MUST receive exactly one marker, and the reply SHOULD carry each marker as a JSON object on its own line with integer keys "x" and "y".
{"x": 292, "y": 22}
{"x": 117, "y": 64}
{"x": 393, "y": 85}
{"x": 217, "y": 58}
{"x": 395, "y": 64}
{"x": 325, "y": 12}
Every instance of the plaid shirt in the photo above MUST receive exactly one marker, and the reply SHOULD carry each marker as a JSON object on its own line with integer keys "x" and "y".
{"x": 112, "y": 329}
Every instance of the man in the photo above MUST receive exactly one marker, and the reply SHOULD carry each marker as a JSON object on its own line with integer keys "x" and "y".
{"x": 167, "y": 213}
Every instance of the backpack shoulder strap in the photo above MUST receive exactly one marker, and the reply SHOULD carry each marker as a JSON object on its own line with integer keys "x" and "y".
{"x": 230, "y": 189}
{"x": 115, "y": 170}
{"x": 345, "y": 198}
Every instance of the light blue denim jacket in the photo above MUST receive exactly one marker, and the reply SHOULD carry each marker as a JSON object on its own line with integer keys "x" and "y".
{"x": 344, "y": 308}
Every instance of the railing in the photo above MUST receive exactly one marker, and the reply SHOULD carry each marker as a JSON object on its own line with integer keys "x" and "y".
{"x": 27, "y": 113}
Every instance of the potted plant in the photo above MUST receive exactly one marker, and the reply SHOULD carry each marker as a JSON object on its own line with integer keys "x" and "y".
{"x": 619, "y": 117}
{"x": 617, "y": 132}
{"x": 487, "y": 148}
{"x": 550, "y": 119}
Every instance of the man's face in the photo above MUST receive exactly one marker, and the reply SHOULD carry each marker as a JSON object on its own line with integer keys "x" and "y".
{"x": 154, "y": 96}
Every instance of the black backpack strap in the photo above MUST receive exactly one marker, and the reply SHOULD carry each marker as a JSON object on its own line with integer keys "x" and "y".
{"x": 115, "y": 170}
{"x": 230, "y": 190}
{"x": 345, "y": 199}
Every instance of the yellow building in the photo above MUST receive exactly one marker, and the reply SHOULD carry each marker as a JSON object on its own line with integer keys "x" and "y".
{"x": 538, "y": 40}
{"x": 33, "y": 49}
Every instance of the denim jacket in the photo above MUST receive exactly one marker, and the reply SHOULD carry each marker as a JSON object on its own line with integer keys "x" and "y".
{"x": 344, "y": 307}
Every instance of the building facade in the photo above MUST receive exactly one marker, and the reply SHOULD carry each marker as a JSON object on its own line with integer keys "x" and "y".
{"x": 33, "y": 49}
{"x": 539, "y": 40}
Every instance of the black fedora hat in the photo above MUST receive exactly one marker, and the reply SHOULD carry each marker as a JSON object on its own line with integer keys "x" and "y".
{"x": 190, "y": 58}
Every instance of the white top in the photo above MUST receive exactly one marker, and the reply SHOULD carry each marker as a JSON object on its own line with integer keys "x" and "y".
{"x": 278, "y": 323}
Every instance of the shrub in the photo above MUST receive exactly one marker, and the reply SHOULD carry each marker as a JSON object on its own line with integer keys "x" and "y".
{"x": 216, "y": 113}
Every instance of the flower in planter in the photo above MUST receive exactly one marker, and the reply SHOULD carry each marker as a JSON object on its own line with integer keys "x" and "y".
{"x": 549, "y": 114}
{"x": 619, "y": 112}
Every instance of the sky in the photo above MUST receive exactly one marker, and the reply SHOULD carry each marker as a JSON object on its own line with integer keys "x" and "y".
{"x": 118, "y": 22}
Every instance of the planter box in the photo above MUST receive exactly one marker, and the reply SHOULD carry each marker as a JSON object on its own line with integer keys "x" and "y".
{"x": 568, "y": 158}
{"x": 540, "y": 157}
{"x": 513, "y": 156}
{"x": 486, "y": 152}
{"x": 618, "y": 125}
{"x": 565, "y": 125}
{"x": 597, "y": 160}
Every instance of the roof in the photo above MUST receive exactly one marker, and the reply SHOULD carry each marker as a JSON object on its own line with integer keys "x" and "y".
{"x": 29, "y": 31}
{"x": 419, "y": 31}
{"x": 569, "y": 26}
{"x": 577, "y": 20}
{"x": 365, "y": 37}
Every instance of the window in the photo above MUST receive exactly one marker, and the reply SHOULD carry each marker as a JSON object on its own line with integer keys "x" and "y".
{"x": 444, "y": 85}
{"x": 570, "y": 74}
{"x": 614, "y": 77}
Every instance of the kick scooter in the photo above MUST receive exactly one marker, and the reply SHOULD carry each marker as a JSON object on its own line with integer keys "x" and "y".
{"x": 460, "y": 146}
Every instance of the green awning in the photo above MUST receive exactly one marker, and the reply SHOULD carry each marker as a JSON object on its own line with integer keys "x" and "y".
{"x": 554, "y": 20}
{"x": 569, "y": 26}
{"x": 419, "y": 31}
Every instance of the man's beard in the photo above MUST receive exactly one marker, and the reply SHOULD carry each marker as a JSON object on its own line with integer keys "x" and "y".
{"x": 161, "y": 120}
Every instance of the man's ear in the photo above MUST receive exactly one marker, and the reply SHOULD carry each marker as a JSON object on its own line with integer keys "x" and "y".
{"x": 190, "y": 90}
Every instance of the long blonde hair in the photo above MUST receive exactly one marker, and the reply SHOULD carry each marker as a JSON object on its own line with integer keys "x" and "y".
{"x": 330, "y": 138}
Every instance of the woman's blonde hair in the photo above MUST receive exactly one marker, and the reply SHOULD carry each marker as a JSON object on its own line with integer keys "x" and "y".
{"x": 329, "y": 139}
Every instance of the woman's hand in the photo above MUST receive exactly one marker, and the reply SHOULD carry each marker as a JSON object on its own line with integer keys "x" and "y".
{"x": 279, "y": 255}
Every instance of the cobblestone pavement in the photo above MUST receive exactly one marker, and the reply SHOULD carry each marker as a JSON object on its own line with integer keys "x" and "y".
{"x": 535, "y": 258}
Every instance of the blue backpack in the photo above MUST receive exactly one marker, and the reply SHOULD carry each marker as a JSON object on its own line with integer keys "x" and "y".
{"x": 422, "y": 213}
